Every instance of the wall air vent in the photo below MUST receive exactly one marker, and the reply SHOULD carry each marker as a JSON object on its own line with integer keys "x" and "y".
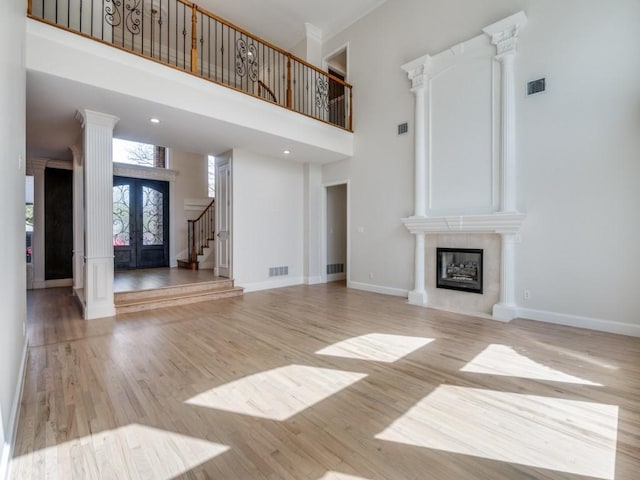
{"x": 403, "y": 128}
{"x": 335, "y": 268}
{"x": 536, "y": 86}
{"x": 278, "y": 271}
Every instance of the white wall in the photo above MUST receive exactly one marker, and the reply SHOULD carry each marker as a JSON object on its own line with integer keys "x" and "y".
{"x": 578, "y": 148}
{"x": 268, "y": 220}
{"x": 191, "y": 183}
{"x": 12, "y": 197}
{"x": 336, "y": 225}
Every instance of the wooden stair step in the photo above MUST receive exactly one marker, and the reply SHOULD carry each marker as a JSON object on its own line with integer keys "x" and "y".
{"x": 176, "y": 299}
{"x": 188, "y": 265}
{"x": 188, "y": 289}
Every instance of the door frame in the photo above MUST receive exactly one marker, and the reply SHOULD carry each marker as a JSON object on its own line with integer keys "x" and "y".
{"x": 325, "y": 229}
{"x": 327, "y": 58}
{"x": 225, "y": 158}
{"x": 136, "y": 185}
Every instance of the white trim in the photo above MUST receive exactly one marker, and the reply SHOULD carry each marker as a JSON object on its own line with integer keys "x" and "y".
{"x": 367, "y": 287}
{"x": 269, "y": 284}
{"x": 334, "y": 277}
{"x": 145, "y": 173}
{"x": 99, "y": 311}
{"x": 325, "y": 60}
{"x": 313, "y": 280}
{"x": 580, "y": 321}
{"x": 62, "y": 282}
{"x": 324, "y": 229}
{"x": 6, "y": 454}
{"x": 501, "y": 223}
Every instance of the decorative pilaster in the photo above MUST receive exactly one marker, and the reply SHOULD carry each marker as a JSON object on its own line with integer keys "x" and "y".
{"x": 78, "y": 217}
{"x": 418, "y": 72}
{"x": 418, "y": 296}
{"x": 504, "y": 35}
{"x": 98, "y": 213}
{"x": 506, "y": 309}
{"x": 419, "y": 76}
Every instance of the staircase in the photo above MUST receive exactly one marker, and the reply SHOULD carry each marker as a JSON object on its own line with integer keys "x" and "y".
{"x": 171, "y": 296}
{"x": 200, "y": 234}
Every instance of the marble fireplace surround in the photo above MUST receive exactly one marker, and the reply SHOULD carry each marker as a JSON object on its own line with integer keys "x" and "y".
{"x": 495, "y": 213}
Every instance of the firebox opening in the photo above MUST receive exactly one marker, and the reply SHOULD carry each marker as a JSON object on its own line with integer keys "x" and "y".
{"x": 459, "y": 269}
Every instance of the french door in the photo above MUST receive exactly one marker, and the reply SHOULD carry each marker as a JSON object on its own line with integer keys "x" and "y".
{"x": 140, "y": 223}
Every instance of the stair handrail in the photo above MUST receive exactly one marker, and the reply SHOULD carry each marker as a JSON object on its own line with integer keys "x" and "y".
{"x": 200, "y": 232}
{"x": 262, "y": 85}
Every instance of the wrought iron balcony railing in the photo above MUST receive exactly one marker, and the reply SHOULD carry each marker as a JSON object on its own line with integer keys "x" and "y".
{"x": 182, "y": 35}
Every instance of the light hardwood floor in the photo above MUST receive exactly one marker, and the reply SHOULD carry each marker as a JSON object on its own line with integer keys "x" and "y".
{"x": 323, "y": 383}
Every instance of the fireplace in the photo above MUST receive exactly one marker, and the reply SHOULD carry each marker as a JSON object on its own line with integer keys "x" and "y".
{"x": 459, "y": 269}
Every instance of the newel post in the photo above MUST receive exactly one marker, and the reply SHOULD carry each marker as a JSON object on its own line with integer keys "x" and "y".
{"x": 194, "y": 39}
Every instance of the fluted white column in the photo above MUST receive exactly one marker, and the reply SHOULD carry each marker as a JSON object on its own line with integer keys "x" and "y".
{"x": 504, "y": 35}
{"x": 418, "y": 72}
{"x": 98, "y": 214}
{"x": 508, "y": 156}
{"x": 78, "y": 217}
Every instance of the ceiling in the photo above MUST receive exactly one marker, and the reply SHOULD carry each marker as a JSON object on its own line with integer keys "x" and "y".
{"x": 281, "y": 22}
{"x": 52, "y": 103}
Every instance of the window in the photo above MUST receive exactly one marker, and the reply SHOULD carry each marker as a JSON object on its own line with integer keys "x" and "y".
{"x": 137, "y": 153}
{"x": 211, "y": 169}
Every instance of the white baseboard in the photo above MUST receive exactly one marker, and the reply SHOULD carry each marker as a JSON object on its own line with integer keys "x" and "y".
{"x": 92, "y": 312}
{"x": 334, "y": 277}
{"x": 313, "y": 280}
{"x": 580, "y": 322}
{"x": 9, "y": 444}
{"x": 269, "y": 284}
{"x": 63, "y": 282}
{"x": 396, "y": 292}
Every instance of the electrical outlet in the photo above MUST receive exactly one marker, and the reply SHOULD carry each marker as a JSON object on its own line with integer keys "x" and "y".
{"x": 527, "y": 294}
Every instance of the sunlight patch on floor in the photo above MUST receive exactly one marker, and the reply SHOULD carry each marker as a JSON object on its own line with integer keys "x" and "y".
{"x": 277, "y": 394}
{"x": 132, "y": 451}
{"x": 340, "y": 476}
{"x": 379, "y": 347}
{"x": 564, "y": 435}
{"x": 504, "y": 360}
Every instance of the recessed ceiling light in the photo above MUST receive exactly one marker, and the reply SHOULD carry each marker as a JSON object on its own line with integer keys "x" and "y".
{"x": 154, "y": 120}
{"x": 286, "y": 152}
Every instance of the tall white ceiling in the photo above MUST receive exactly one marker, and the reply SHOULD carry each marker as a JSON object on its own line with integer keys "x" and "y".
{"x": 281, "y": 22}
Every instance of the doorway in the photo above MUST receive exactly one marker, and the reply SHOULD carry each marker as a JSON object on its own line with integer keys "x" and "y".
{"x": 336, "y": 64}
{"x": 58, "y": 224}
{"x": 140, "y": 223}
{"x": 337, "y": 249}
{"x": 223, "y": 214}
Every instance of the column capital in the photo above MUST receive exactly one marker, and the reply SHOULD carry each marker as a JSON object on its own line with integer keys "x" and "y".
{"x": 418, "y": 72}
{"x": 77, "y": 152}
{"x": 504, "y": 34}
{"x": 89, "y": 117}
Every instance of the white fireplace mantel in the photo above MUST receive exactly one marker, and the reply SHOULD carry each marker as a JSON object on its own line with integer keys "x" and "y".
{"x": 499, "y": 223}
{"x": 499, "y": 160}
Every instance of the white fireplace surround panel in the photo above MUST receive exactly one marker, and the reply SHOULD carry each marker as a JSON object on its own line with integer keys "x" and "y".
{"x": 486, "y": 122}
